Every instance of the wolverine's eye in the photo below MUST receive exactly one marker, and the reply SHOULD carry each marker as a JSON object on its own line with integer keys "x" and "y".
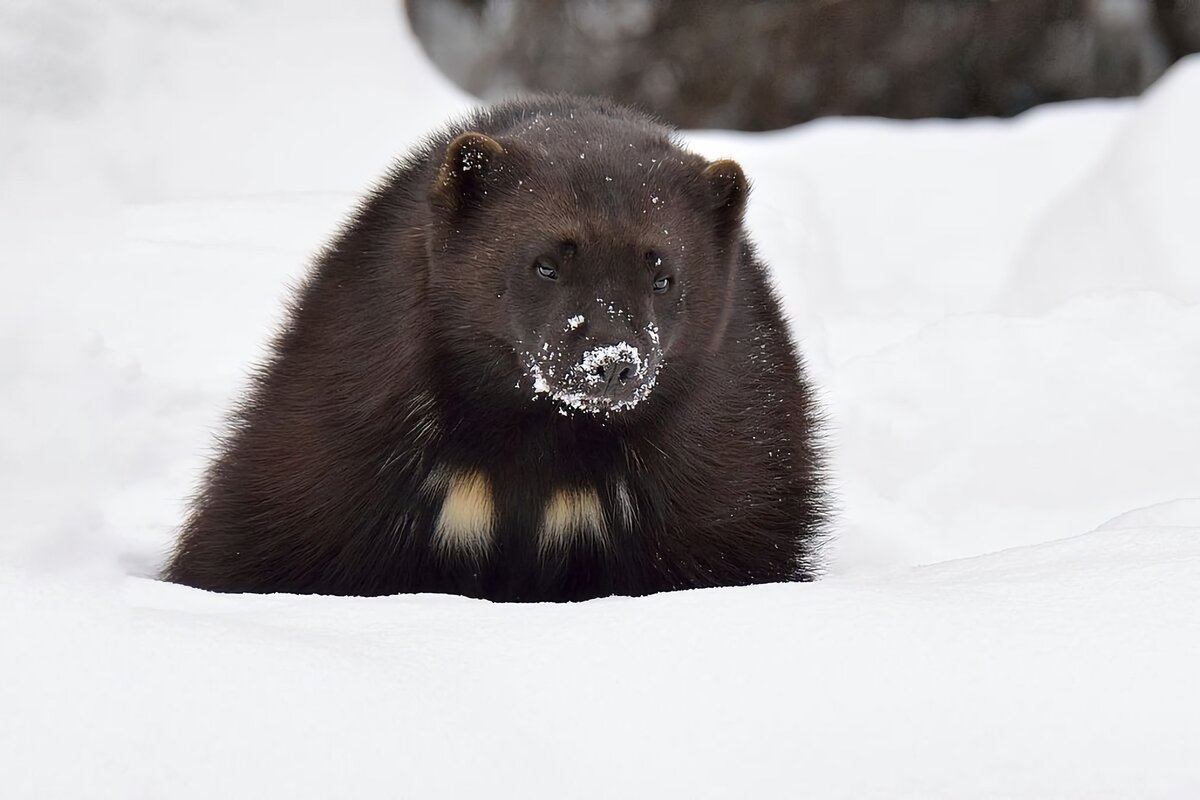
{"x": 655, "y": 262}
{"x": 545, "y": 269}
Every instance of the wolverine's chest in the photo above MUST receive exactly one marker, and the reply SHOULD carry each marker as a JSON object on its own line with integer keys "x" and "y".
{"x": 483, "y": 514}
{"x": 531, "y": 487}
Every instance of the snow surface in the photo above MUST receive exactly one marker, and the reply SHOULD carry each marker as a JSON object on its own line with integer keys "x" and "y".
{"x": 1003, "y": 317}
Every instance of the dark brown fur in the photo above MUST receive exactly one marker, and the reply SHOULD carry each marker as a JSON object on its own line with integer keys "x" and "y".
{"x": 402, "y": 358}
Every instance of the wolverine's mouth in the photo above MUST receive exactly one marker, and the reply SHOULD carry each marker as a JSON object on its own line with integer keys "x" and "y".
{"x": 601, "y": 379}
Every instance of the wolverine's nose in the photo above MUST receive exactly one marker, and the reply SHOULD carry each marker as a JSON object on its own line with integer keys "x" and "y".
{"x": 615, "y": 373}
{"x": 612, "y": 370}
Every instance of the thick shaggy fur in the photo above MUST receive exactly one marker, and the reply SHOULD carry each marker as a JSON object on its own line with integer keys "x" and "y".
{"x": 402, "y": 437}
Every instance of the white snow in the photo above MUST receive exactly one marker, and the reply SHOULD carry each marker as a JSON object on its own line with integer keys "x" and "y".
{"x": 592, "y": 359}
{"x": 572, "y": 384}
{"x": 1003, "y": 318}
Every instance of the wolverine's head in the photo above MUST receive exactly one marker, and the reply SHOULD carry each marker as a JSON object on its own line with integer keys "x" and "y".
{"x": 582, "y": 261}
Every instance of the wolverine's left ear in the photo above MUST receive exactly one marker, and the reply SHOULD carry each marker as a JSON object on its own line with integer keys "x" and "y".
{"x": 469, "y": 168}
{"x": 727, "y": 190}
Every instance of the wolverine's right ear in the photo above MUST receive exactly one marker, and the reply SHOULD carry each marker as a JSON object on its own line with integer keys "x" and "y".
{"x": 469, "y": 168}
{"x": 727, "y": 190}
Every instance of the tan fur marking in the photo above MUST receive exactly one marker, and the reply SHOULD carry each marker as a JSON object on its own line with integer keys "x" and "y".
{"x": 624, "y": 503}
{"x": 468, "y": 517}
{"x": 570, "y": 514}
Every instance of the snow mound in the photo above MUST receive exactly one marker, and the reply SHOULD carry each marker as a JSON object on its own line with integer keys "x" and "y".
{"x": 980, "y": 675}
{"x": 1131, "y": 223}
{"x": 1183, "y": 513}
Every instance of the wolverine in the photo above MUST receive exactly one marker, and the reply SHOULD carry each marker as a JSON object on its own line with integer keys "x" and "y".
{"x": 541, "y": 362}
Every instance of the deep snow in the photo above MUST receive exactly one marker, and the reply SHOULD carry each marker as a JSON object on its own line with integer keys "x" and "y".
{"x": 1004, "y": 318}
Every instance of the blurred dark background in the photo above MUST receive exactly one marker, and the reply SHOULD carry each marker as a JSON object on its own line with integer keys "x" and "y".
{"x": 764, "y": 64}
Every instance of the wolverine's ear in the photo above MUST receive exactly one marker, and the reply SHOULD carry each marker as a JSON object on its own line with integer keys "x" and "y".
{"x": 468, "y": 170}
{"x": 727, "y": 190}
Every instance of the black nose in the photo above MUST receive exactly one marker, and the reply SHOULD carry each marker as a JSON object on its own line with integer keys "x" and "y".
{"x": 615, "y": 374}
{"x": 619, "y": 370}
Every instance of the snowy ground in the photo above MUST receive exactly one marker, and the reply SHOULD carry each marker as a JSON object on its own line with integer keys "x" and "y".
{"x": 1004, "y": 318}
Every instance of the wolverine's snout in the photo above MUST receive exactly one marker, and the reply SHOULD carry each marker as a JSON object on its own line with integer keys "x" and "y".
{"x": 613, "y": 371}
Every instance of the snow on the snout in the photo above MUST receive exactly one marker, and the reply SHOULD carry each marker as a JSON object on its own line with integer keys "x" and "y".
{"x": 573, "y": 385}
{"x": 589, "y": 366}
{"x": 573, "y": 382}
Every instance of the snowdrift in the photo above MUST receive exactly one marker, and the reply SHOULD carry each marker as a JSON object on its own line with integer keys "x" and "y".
{"x": 1004, "y": 319}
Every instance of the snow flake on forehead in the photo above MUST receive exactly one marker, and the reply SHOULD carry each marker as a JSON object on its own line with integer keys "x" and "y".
{"x": 613, "y": 311}
{"x": 574, "y": 322}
